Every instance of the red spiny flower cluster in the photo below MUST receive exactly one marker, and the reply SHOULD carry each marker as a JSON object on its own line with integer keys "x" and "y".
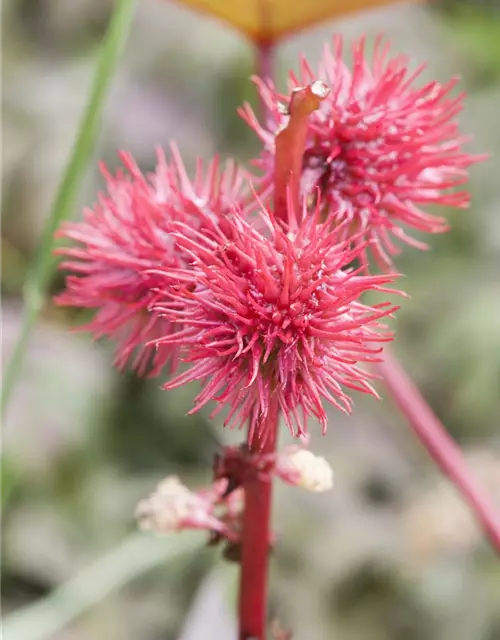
{"x": 379, "y": 149}
{"x": 274, "y": 316}
{"x": 266, "y": 309}
{"x": 125, "y": 236}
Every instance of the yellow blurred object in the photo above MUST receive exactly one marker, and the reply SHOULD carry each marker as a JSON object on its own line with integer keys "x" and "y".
{"x": 266, "y": 21}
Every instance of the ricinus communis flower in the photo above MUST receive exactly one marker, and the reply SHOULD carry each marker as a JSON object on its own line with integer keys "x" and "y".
{"x": 380, "y": 149}
{"x": 126, "y": 235}
{"x": 275, "y": 313}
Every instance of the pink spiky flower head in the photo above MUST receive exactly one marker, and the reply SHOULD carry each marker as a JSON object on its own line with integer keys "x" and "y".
{"x": 126, "y": 235}
{"x": 379, "y": 148}
{"x": 275, "y": 319}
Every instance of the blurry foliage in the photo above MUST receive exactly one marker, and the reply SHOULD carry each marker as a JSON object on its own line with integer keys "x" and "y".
{"x": 475, "y": 24}
{"x": 59, "y": 29}
{"x": 382, "y": 604}
{"x": 232, "y": 90}
{"x": 149, "y": 431}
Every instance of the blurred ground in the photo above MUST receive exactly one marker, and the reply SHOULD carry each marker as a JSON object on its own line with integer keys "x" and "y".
{"x": 390, "y": 553}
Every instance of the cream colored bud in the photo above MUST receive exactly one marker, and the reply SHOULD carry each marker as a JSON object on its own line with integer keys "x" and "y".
{"x": 167, "y": 508}
{"x": 314, "y": 472}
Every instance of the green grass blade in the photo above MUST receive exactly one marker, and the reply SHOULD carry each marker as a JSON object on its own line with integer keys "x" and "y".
{"x": 134, "y": 557}
{"x": 39, "y": 275}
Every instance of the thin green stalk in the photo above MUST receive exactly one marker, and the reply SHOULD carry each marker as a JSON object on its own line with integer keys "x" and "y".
{"x": 39, "y": 275}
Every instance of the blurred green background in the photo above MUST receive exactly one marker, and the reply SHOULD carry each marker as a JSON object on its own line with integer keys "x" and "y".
{"x": 390, "y": 553}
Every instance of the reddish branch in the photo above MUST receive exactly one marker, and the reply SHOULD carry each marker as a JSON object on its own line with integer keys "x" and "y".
{"x": 255, "y": 539}
{"x": 290, "y": 143}
{"x": 439, "y": 444}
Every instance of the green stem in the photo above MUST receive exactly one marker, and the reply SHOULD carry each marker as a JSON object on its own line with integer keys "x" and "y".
{"x": 39, "y": 275}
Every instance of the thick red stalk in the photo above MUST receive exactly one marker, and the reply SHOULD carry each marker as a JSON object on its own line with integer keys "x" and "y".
{"x": 256, "y": 529}
{"x": 255, "y": 539}
{"x": 439, "y": 444}
{"x": 258, "y": 491}
{"x": 290, "y": 145}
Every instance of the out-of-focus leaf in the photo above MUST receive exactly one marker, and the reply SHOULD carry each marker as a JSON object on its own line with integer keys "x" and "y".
{"x": 266, "y": 21}
{"x": 136, "y": 555}
{"x": 477, "y": 31}
{"x": 467, "y": 342}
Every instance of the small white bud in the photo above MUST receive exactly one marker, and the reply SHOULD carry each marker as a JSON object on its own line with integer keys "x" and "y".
{"x": 302, "y": 468}
{"x": 168, "y": 508}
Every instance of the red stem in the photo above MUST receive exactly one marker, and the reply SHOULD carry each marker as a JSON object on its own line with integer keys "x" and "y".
{"x": 439, "y": 444}
{"x": 258, "y": 490}
{"x": 255, "y": 538}
{"x": 265, "y": 61}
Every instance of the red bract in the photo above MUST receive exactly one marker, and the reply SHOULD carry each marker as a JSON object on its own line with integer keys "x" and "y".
{"x": 124, "y": 237}
{"x": 378, "y": 148}
{"x": 273, "y": 315}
